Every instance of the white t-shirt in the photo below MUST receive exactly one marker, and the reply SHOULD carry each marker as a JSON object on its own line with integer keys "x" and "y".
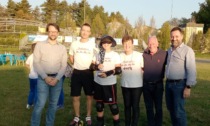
{"x": 33, "y": 74}
{"x": 83, "y": 54}
{"x": 132, "y": 75}
{"x": 110, "y": 60}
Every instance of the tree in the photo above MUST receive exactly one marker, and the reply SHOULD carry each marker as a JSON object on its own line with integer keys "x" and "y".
{"x": 3, "y": 12}
{"x": 197, "y": 40}
{"x": 139, "y": 28}
{"x": 81, "y": 13}
{"x": 23, "y": 10}
{"x": 62, "y": 11}
{"x": 117, "y": 16}
{"x": 152, "y": 22}
{"x": 11, "y": 6}
{"x": 183, "y": 21}
{"x": 203, "y": 15}
{"x": 164, "y": 36}
{"x": 206, "y": 45}
{"x": 68, "y": 23}
{"x": 104, "y": 15}
{"x": 37, "y": 14}
{"x": 24, "y": 6}
{"x": 128, "y": 28}
{"x": 49, "y": 9}
{"x": 174, "y": 22}
{"x": 98, "y": 27}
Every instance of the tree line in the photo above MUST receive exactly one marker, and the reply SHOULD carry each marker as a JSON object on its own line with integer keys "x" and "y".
{"x": 71, "y": 16}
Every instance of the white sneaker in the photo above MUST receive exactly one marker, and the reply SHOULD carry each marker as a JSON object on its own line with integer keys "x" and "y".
{"x": 28, "y": 106}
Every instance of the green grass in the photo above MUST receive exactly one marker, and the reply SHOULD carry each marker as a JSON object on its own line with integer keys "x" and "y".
{"x": 202, "y": 56}
{"x": 14, "y": 89}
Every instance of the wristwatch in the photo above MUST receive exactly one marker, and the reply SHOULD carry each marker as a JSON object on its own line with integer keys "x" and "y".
{"x": 188, "y": 86}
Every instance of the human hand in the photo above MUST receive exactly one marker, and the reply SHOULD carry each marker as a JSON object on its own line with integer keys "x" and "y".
{"x": 102, "y": 75}
{"x": 100, "y": 66}
{"x": 186, "y": 93}
{"x": 48, "y": 80}
{"x": 53, "y": 82}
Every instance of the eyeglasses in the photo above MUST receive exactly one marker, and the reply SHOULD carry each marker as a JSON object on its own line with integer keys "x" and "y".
{"x": 52, "y": 32}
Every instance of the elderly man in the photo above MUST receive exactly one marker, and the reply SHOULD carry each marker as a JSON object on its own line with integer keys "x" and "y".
{"x": 181, "y": 75}
{"x": 154, "y": 68}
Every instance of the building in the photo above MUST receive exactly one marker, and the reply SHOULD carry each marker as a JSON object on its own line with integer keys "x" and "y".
{"x": 191, "y": 29}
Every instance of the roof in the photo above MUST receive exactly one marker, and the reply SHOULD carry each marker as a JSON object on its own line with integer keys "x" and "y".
{"x": 192, "y": 24}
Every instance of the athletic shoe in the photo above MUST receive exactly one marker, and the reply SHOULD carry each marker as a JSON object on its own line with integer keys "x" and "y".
{"x": 76, "y": 122}
{"x": 100, "y": 121}
{"x": 29, "y": 106}
{"x": 60, "y": 107}
{"x": 88, "y": 121}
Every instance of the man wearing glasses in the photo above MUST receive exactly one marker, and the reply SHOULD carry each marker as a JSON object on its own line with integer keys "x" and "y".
{"x": 50, "y": 61}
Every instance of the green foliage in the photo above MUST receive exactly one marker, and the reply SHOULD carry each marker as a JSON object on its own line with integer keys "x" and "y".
{"x": 98, "y": 27}
{"x": 3, "y": 12}
{"x": 164, "y": 36}
{"x": 103, "y": 15}
{"x": 49, "y": 8}
{"x": 197, "y": 41}
{"x": 206, "y": 44}
{"x": 37, "y": 14}
{"x": 24, "y": 6}
{"x": 9, "y": 39}
{"x": 203, "y": 15}
{"x": 11, "y": 7}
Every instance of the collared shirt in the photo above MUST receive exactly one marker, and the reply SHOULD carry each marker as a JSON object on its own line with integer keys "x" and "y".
{"x": 50, "y": 59}
{"x": 154, "y": 65}
{"x": 181, "y": 64}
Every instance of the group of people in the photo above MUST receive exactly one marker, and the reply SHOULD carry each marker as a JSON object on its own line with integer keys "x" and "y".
{"x": 96, "y": 69}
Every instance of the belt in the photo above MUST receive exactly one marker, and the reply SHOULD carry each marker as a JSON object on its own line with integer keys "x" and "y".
{"x": 174, "y": 81}
{"x": 51, "y": 74}
{"x": 153, "y": 82}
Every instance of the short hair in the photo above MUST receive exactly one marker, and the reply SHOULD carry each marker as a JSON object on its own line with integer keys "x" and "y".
{"x": 86, "y": 24}
{"x": 177, "y": 29}
{"x": 126, "y": 38}
{"x": 52, "y": 24}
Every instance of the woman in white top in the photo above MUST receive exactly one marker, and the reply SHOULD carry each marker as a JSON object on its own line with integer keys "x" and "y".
{"x": 33, "y": 76}
{"x": 107, "y": 66}
{"x": 131, "y": 81}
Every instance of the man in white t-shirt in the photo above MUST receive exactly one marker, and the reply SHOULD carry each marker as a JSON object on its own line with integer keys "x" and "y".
{"x": 81, "y": 55}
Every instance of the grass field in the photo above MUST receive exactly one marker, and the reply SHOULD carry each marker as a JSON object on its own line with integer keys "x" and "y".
{"x": 14, "y": 89}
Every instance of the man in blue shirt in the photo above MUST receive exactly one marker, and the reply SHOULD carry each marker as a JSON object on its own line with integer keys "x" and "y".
{"x": 181, "y": 75}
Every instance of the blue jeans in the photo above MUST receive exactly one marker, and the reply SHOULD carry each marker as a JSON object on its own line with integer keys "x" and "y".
{"x": 43, "y": 91}
{"x": 131, "y": 97}
{"x": 61, "y": 97}
{"x": 175, "y": 102}
{"x": 153, "y": 96}
{"x": 32, "y": 97}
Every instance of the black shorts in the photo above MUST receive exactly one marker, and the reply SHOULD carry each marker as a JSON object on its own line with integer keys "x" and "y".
{"x": 82, "y": 79}
{"x": 105, "y": 93}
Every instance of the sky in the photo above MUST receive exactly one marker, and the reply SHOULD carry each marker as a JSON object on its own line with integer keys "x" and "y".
{"x": 161, "y": 10}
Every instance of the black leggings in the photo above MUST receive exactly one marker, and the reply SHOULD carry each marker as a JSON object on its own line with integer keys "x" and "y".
{"x": 131, "y": 98}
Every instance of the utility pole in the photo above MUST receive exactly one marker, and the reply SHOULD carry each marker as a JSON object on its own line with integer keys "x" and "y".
{"x": 171, "y": 9}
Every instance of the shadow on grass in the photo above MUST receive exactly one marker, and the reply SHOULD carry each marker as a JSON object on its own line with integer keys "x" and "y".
{"x": 14, "y": 89}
